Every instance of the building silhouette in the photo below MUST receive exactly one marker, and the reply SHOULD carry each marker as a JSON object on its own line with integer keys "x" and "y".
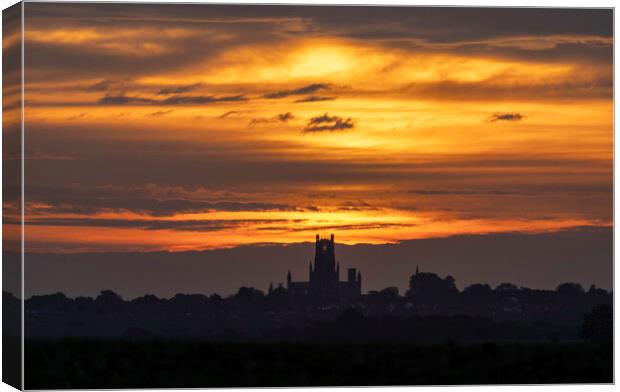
{"x": 324, "y": 276}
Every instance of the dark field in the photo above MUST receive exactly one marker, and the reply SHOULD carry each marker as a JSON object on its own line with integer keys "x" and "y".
{"x": 83, "y": 363}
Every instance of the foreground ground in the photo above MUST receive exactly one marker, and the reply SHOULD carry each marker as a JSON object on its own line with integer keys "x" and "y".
{"x": 83, "y": 363}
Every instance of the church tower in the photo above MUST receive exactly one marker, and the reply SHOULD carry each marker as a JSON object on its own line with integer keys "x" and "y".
{"x": 324, "y": 276}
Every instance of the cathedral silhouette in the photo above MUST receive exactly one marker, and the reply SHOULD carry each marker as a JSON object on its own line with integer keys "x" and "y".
{"x": 324, "y": 276}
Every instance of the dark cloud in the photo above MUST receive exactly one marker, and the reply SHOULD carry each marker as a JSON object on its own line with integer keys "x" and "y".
{"x": 284, "y": 117}
{"x": 467, "y": 192}
{"x": 309, "y": 89}
{"x": 434, "y": 22}
{"x": 77, "y": 116}
{"x": 474, "y": 29}
{"x": 86, "y": 201}
{"x": 200, "y": 99}
{"x": 107, "y": 84}
{"x": 125, "y": 100}
{"x": 159, "y": 113}
{"x": 600, "y": 88}
{"x": 314, "y": 98}
{"x": 102, "y": 85}
{"x": 74, "y": 62}
{"x": 279, "y": 118}
{"x": 357, "y": 206}
{"x": 179, "y": 89}
{"x": 173, "y": 100}
{"x": 541, "y": 49}
{"x": 69, "y": 61}
{"x": 250, "y": 165}
{"x": 203, "y": 225}
{"x": 232, "y": 113}
{"x": 154, "y": 224}
{"x": 455, "y": 24}
{"x": 336, "y": 227}
{"x": 327, "y": 123}
{"x": 506, "y": 117}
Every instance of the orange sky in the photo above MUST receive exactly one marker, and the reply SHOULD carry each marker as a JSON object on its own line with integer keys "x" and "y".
{"x": 153, "y": 127}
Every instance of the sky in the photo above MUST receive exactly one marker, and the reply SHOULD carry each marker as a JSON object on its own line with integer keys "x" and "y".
{"x": 538, "y": 261}
{"x": 206, "y": 127}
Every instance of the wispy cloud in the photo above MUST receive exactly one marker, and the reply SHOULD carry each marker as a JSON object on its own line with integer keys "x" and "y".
{"x": 147, "y": 206}
{"x": 77, "y": 116}
{"x": 472, "y": 192}
{"x": 506, "y": 117}
{"x": 173, "y": 100}
{"x": 159, "y": 113}
{"x": 279, "y": 118}
{"x": 200, "y": 99}
{"x": 156, "y": 224}
{"x": 314, "y": 98}
{"x": 125, "y": 100}
{"x": 309, "y": 89}
{"x": 327, "y": 123}
{"x": 179, "y": 89}
{"x": 105, "y": 84}
{"x": 233, "y": 113}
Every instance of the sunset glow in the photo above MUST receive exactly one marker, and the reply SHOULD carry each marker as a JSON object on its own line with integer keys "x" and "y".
{"x": 161, "y": 131}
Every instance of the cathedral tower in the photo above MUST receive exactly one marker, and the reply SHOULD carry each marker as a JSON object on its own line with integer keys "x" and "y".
{"x": 324, "y": 276}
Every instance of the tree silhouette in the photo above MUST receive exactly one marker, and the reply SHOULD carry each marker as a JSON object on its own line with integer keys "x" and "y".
{"x": 428, "y": 288}
{"x": 109, "y": 302}
{"x": 570, "y": 288}
{"x": 249, "y": 294}
{"x": 598, "y": 324}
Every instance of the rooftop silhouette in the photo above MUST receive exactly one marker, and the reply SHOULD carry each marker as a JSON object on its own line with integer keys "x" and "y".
{"x": 293, "y": 311}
